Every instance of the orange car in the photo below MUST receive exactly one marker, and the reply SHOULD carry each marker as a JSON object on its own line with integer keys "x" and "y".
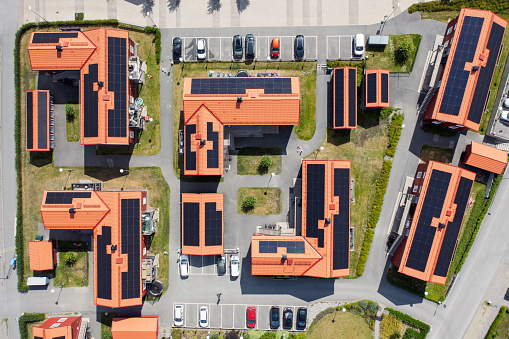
{"x": 274, "y": 50}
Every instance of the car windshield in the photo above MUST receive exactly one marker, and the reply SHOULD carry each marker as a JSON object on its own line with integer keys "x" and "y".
{"x": 359, "y": 48}
{"x": 235, "y": 262}
{"x": 275, "y": 50}
{"x": 183, "y": 261}
{"x": 201, "y": 51}
{"x": 251, "y": 321}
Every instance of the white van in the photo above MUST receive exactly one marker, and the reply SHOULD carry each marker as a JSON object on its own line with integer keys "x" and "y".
{"x": 358, "y": 45}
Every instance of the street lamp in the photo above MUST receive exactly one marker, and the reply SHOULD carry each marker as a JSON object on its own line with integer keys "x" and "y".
{"x": 68, "y": 176}
{"x": 386, "y": 17}
{"x": 318, "y": 151}
{"x": 122, "y": 171}
{"x": 30, "y": 8}
{"x": 148, "y": 14}
{"x": 271, "y": 175}
{"x": 61, "y": 287}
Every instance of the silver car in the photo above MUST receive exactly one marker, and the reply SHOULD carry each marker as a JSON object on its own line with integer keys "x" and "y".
{"x": 178, "y": 316}
{"x": 201, "y": 49}
{"x": 504, "y": 115}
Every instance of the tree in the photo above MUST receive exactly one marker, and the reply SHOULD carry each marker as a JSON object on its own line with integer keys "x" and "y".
{"x": 373, "y": 307}
{"x": 363, "y": 304}
{"x": 403, "y": 51}
{"x": 70, "y": 259}
{"x": 265, "y": 163}
{"x": 248, "y": 203}
{"x": 70, "y": 115}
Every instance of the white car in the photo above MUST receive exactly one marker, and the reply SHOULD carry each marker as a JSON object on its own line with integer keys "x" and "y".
{"x": 178, "y": 316}
{"x": 504, "y": 115}
{"x": 201, "y": 49}
{"x": 204, "y": 316}
{"x": 234, "y": 265}
{"x": 506, "y": 103}
{"x": 358, "y": 45}
{"x": 184, "y": 265}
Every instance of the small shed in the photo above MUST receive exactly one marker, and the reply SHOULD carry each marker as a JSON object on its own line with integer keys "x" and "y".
{"x": 145, "y": 327}
{"x": 485, "y": 157}
{"x": 378, "y": 40}
{"x": 42, "y": 254}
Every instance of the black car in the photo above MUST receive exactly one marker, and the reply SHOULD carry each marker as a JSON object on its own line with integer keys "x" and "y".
{"x": 300, "y": 321}
{"x": 288, "y": 318}
{"x": 177, "y": 48}
{"x": 298, "y": 47}
{"x": 237, "y": 47}
{"x": 221, "y": 265}
{"x": 274, "y": 317}
{"x": 250, "y": 46}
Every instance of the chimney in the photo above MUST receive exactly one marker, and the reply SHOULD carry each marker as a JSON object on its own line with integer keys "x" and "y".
{"x": 113, "y": 247}
{"x": 441, "y": 225}
{"x": 284, "y": 258}
{"x": 59, "y": 48}
{"x": 239, "y": 99}
{"x": 327, "y": 220}
{"x": 72, "y": 210}
{"x": 475, "y": 68}
{"x": 100, "y": 83}
{"x": 203, "y": 142}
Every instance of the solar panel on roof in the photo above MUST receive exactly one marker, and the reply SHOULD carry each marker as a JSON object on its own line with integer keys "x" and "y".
{"x": 65, "y": 198}
{"x": 30, "y": 120}
{"x": 239, "y": 85}
{"x": 352, "y": 97}
{"x": 271, "y": 246}
{"x": 52, "y": 38}
{"x": 191, "y": 219}
{"x": 431, "y": 208}
{"x": 371, "y": 95}
{"x": 90, "y": 108}
{"x": 103, "y": 268}
{"x": 339, "y": 98}
{"x": 486, "y": 74}
{"x": 213, "y": 225}
{"x": 42, "y": 120}
{"x": 341, "y": 222}
{"x": 130, "y": 244}
{"x": 213, "y": 154}
{"x": 117, "y": 83}
{"x": 315, "y": 187}
{"x": 190, "y": 156}
{"x": 385, "y": 87}
{"x": 453, "y": 228}
{"x": 458, "y": 76}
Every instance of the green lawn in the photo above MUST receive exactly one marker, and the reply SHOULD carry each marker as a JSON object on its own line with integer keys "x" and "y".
{"x": 72, "y": 276}
{"x": 266, "y": 204}
{"x": 385, "y": 57}
{"x": 304, "y": 131}
{"x": 106, "y": 321}
{"x": 72, "y": 126}
{"x": 436, "y": 153}
{"x": 500, "y": 327}
{"x": 248, "y": 160}
{"x": 340, "y": 325}
{"x": 390, "y": 326}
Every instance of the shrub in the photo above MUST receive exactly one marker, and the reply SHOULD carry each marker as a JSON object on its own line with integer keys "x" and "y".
{"x": 410, "y": 332}
{"x": 232, "y": 335}
{"x": 70, "y": 114}
{"x": 265, "y": 163}
{"x": 495, "y": 6}
{"x": 380, "y": 188}
{"x": 366, "y": 245}
{"x": 373, "y": 307}
{"x": 269, "y": 335}
{"x": 70, "y": 259}
{"x": 215, "y": 336}
{"x": 394, "y": 133}
{"x": 79, "y": 16}
{"x": 396, "y": 335}
{"x": 363, "y": 304}
{"x": 385, "y": 112}
{"x": 106, "y": 334}
{"x": 248, "y": 203}
{"x": 493, "y": 331}
{"x": 28, "y": 318}
{"x": 403, "y": 51}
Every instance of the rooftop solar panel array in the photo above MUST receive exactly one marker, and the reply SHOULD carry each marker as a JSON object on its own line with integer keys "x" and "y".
{"x": 291, "y": 246}
{"x": 213, "y": 154}
{"x": 352, "y": 97}
{"x": 371, "y": 95}
{"x": 117, "y": 83}
{"x": 65, "y": 198}
{"x": 190, "y": 156}
{"x": 453, "y": 228}
{"x": 30, "y": 120}
{"x": 213, "y": 225}
{"x": 458, "y": 77}
{"x": 131, "y": 236}
{"x": 104, "y": 264}
{"x": 339, "y": 97}
{"x": 90, "y": 108}
{"x": 431, "y": 208}
{"x": 486, "y": 74}
{"x": 52, "y": 38}
{"x": 385, "y": 87}
{"x": 239, "y": 85}
{"x": 42, "y": 120}
{"x": 341, "y": 240}
{"x": 315, "y": 185}
{"x": 191, "y": 220}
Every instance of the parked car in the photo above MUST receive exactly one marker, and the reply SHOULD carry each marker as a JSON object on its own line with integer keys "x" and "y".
{"x": 274, "y": 317}
{"x": 298, "y": 47}
{"x": 288, "y": 318}
{"x": 178, "y": 316}
{"x": 237, "y": 47}
{"x": 234, "y": 265}
{"x": 301, "y": 318}
{"x": 274, "y": 48}
{"x": 506, "y": 103}
{"x": 358, "y": 45}
{"x": 201, "y": 49}
{"x": 250, "y": 46}
{"x": 184, "y": 265}
{"x": 504, "y": 115}
{"x": 177, "y": 48}
{"x": 251, "y": 316}
{"x": 221, "y": 265}
{"x": 204, "y": 316}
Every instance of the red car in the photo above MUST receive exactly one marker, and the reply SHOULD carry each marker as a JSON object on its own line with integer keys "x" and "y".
{"x": 274, "y": 50}
{"x": 251, "y": 316}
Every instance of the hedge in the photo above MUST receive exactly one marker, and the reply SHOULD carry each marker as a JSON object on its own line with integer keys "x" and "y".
{"x": 394, "y": 133}
{"x": 410, "y": 332}
{"x": 28, "y": 318}
{"x": 366, "y": 245}
{"x": 496, "y": 6}
{"x": 22, "y": 287}
{"x": 493, "y": 331}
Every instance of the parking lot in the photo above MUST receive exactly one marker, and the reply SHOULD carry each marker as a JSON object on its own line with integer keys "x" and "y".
{"x": 231, "y": 316}
{"x": 339, "y": 47}
{"x": 220, "y": 48}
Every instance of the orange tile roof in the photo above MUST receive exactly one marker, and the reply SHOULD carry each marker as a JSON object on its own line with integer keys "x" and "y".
{"x": 318, "y": 259}
{"x": 39, "y": 123}
{"x": 256, "y": 108}
{"x": 485, "y": 157}
{"x": 379, "y": 100}
{"x": 433, "y": 250}
{"x": 73, "y": 55}
{"x": 62, "y": 327}
{"x": 144, "y": 327}
{"x": 480, "y": 59}
{"x": 197, "y": 155}
{"x": 189, "y": 236}
{"x": 100, "y": 211}
{"x": 345, "y": 97}
{"x": 41, "y": 255}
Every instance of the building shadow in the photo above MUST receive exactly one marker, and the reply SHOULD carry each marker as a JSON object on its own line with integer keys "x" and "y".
{"x": 104, "y": 174}
{"x": 338, "y": 137}
{"x": 420, "y": 138}
{"x": 64, "y": 90}
{"x": 40, "y": 159}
